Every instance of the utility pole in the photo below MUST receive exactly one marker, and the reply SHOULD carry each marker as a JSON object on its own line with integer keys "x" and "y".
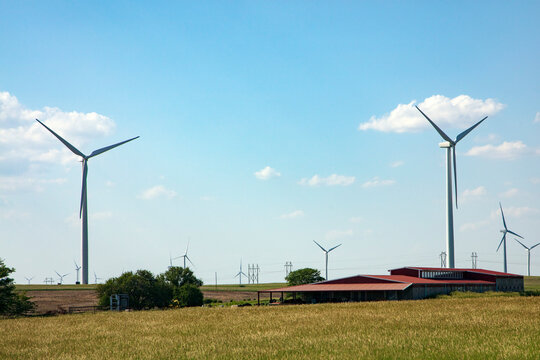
{"x": 442, "y": 255}
{"x": 474, "y": 258}
{"x": 216, "y": 280}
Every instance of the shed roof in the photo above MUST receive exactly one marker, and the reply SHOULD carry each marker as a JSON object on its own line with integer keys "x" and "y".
{"x": 341, "y": 287}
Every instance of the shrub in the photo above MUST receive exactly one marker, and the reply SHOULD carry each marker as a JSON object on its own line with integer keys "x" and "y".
{"x": 11, "y": 303}
{"x": 188, "y": 295}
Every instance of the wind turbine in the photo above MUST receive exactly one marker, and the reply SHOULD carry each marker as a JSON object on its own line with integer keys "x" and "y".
{"x": 77, "y": 268}
{"x": 326, "y": 255}
{"x": 528, "y": 255}
{"x": 96, "y": 278}
{"x": 450, "y": 146}
{"x": 240, "y": 273}
{"x": 185, "y": 256}
{"x": 83, "y": 211}
{"x": 505, "y": 231}
{"x": 29, "y": 279}
{"x": 61, "y": 277}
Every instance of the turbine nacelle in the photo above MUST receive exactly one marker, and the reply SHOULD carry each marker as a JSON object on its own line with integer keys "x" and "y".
{"x": 446, "y": 144}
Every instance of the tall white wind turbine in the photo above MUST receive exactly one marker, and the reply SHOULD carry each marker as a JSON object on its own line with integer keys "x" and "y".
{"x": 185, "y": 256}
{"x": 503, "y": 240}
{"x": 326, "y": 255}
{"x": 29, "y": 279}
{"x": 77, "y": 269}
{"x": 61, "y": 277}
{"x": 83, "y": 212}
{"x": 240, "y": 273}
{"x": 528, "y": 255}
{"x": 450, "y": 146}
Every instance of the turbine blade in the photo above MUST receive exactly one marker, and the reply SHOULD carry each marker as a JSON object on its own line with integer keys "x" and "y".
{"x": 68, "y": 145}
{"x": 57, "y": 273}
{"x": 236, "y": 275}
{"x": 504, "y": 236}
{"x": 464, "y": 133}
{"x": 323, "y": 249}
{"x": 521, "y": 244}
{"x": 187, "y": 247}
{"x": 187, "y": 257}
{"x": 502, "y": 213}
{"x": 107, "y": 148}
{"x": 443, "y": 135}
{"x": 532, "y": 247}
{"x": 455, "y": 172}
{"x": 83, "y": 190}
{"x": 513, "y": 233}
{"x": 334, "y": 247}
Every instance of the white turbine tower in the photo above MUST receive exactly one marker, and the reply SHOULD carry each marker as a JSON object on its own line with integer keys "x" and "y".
{"x": 240, "y": 273}
{"x": 29, "y": 279}
{"x": 326, "y": 255}
{"x": 450, "y": 146}
{"x": 77, "y": 268}
{"x": 185, "y": 256}
{"x": 83, "y": 212}
{"x": 505, "y": 231}
{"x": 528, "y": 255}
{"x": 61, "y": 277}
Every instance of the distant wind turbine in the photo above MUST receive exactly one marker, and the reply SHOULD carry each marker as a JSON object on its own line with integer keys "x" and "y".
{"x": 96, "y": 278}
{"x": 29, "y": 279}
{"x": 77, "y": 268}
{"x": 528, "y": 255}
{"x": 503, "y": 240}
{"x": 240, "y": 273}
{"x": 326, "y": 255}
{"x": 83, "y": 211}
{"x": 450, "y": 146}
{"x": 61, "y": 277}
{"x": 185, "y": 256}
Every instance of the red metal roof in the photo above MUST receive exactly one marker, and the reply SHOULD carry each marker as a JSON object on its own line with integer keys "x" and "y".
{"x": 417, "y": 280}
{"x": 340, "y": 287}
{"x": 481, "y": 271}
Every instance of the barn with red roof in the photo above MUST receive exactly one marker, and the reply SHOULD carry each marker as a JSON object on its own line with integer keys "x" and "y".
{"x": 405, "y": 283}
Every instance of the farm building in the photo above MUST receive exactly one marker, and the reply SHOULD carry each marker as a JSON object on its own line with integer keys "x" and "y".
{"x": 405, "y": 283}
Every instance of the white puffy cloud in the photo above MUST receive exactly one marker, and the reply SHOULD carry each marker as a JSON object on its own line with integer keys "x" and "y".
{"x": 459, "y": 112}
{"x": 24, "y": 139}
{"x": 509, "y": 193}
{"x": 16, "y": 183}
{"x": 293, "y": 215}
{"x": 514, "y": 212}
{"x": 266, "y": 173}
{"x": 332, "y": 180}
{"x": 396, "y": 164}
{"x": 356, "y": 219}
{"x": 508, "y": 150}
{"x": 473, "y": 225}
{"x": 537, "y": 117}
{"x": 471, "y": 193}
{"x": 377, "y": 182}
{"x": 157, "y": 192}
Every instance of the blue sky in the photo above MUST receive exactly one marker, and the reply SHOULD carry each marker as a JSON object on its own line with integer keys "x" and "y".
{"x": 264, "y": 126}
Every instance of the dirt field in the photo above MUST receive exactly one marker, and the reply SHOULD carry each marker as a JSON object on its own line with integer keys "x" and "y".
{"x": 61, "y": 300}
{"x": 56, "y": 300}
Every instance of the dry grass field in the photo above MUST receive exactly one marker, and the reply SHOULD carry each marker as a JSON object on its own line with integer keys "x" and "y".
{"x": 451, "y": 328}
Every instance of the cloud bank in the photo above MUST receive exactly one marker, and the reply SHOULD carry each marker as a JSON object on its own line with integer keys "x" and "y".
{"x": 459, "y": 112}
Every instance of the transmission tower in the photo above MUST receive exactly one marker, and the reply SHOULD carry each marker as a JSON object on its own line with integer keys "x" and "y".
{"x": 474, "y": 258}
{"x": 443, "y": 259}
{"x": 288, "y": 268}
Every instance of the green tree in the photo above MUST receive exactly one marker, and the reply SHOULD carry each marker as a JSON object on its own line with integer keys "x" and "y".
{"x": 144, "y": 290}
{"x": 303, "y": 276}
{"x": 188, "y": 295}
{"x": 178, "y": 276}
{"x": 11, "y": 302}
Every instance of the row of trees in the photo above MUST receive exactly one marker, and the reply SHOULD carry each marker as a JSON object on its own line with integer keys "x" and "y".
{"x": 177, "y": 286}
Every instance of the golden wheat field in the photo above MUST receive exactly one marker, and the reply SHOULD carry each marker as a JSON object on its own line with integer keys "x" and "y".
{"x": 460, "y": 328}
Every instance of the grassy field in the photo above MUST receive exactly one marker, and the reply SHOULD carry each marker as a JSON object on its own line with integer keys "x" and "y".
{"x": 532, "y": 282}
{"x": 450, "y": 328}
{"x": 249, "y": 287}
